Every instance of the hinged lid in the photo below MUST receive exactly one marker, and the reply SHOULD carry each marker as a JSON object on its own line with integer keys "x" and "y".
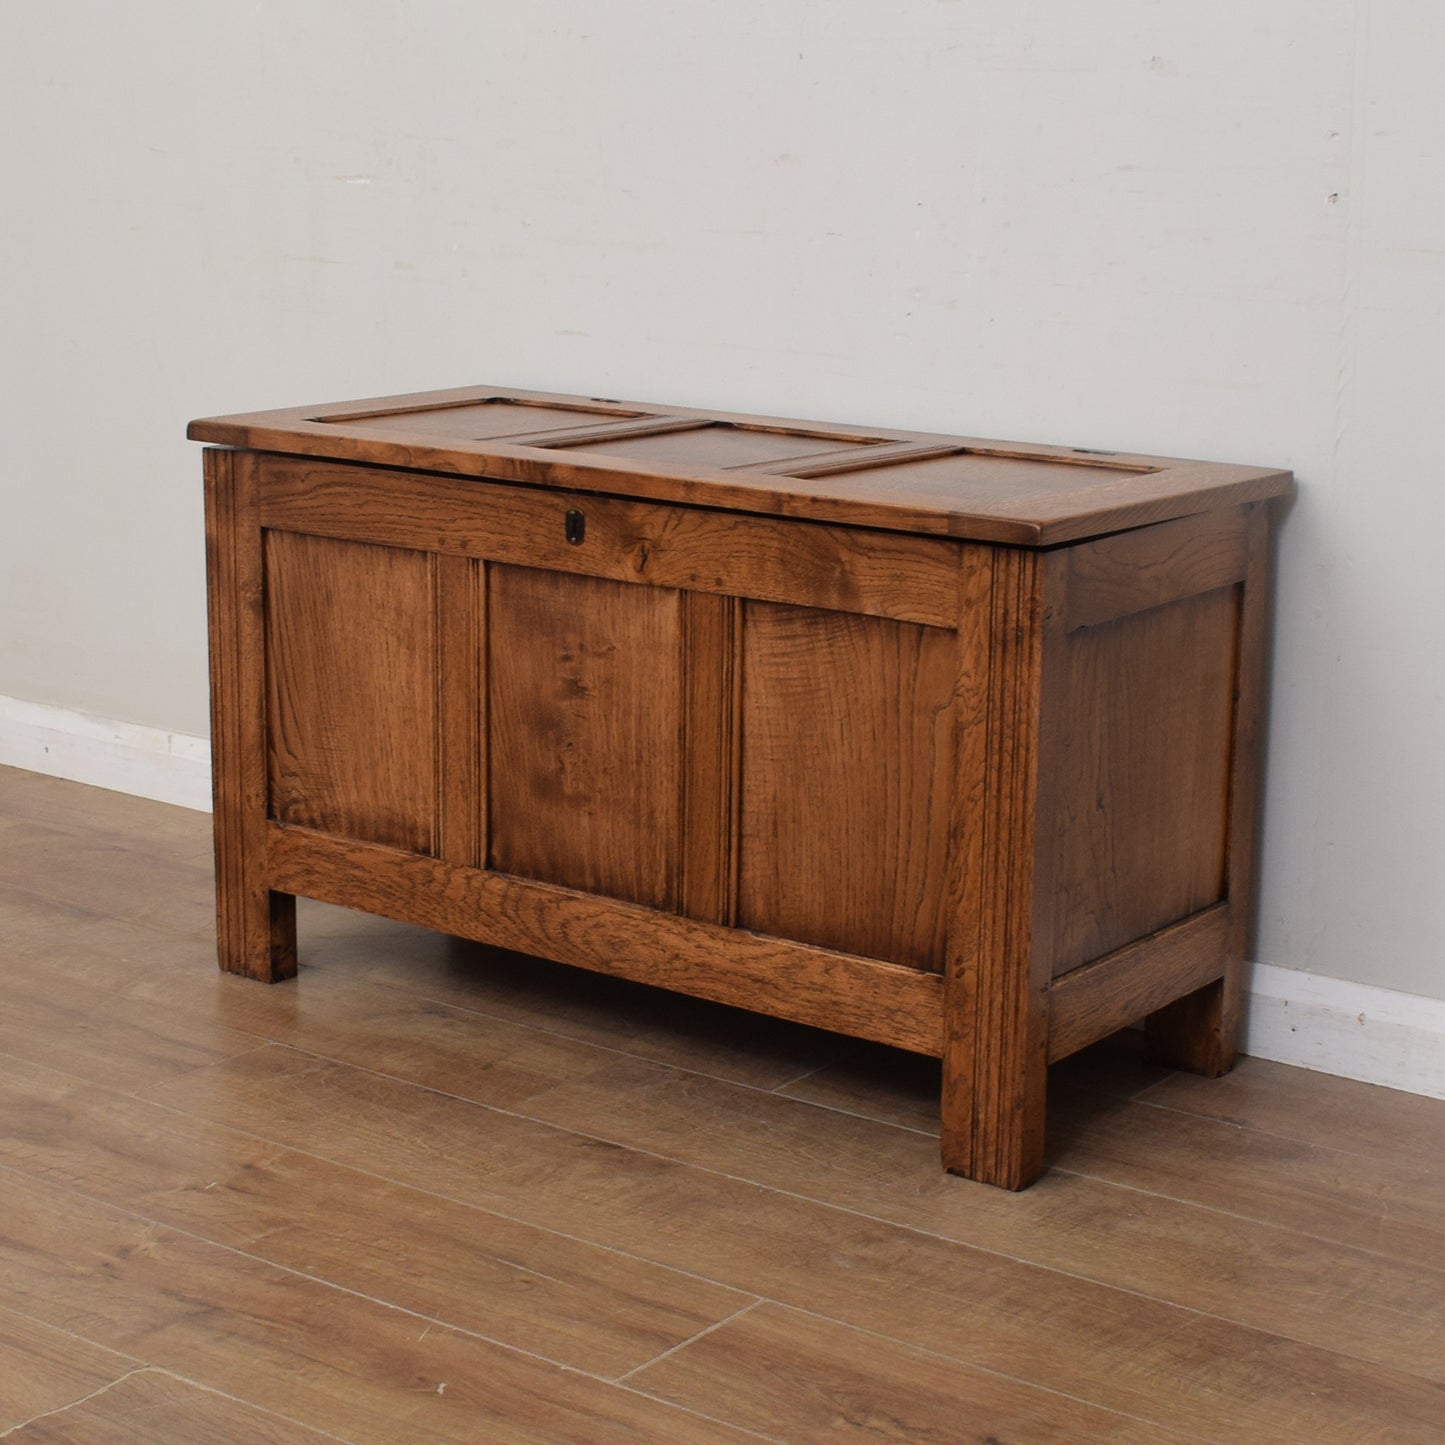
{"x": 864, "y": 476}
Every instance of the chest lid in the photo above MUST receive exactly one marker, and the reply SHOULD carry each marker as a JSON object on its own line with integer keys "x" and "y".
{"x": 863, "y": 476}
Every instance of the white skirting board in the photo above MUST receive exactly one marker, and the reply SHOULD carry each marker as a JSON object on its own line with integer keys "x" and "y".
{"x": 1327, "y": 1024}
{"x": 1352, "y": 1029}
{"x": 125, "y": 757}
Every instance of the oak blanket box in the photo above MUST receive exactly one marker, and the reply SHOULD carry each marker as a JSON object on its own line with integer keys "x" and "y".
{"x": 945, "y": 743}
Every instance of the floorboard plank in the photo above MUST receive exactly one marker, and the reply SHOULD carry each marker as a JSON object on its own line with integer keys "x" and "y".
{"x": 74, "y": 1028}
{"x": 87, "y": 945}
{"x": 296, "y": 1346}
{"x": 1330, "y": 1194}
{"x": 583, "y": 1306}
{"x": 43, "y": 1369}
{"x": 73, "y": 866}
{"x": 115, "y": 818}
{"x": 1386, "y": 1125}
{"x": 427, "y": 1163}
{"x": 1116, "y": 1348}
{"x": 151, "y": 1407}
{"x": 810, "y": 1380}
{"x": 1263, "y": 1275}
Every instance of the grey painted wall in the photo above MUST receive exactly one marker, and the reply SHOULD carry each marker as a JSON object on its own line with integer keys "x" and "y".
{"x": 1212, "y": 231}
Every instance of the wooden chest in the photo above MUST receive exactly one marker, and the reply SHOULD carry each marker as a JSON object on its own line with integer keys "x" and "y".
{"x": 934, "y": 741}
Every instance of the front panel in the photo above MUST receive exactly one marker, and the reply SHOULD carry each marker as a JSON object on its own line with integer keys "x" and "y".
{"x": 351, "y": 689}
{"x": 584, "y": 700}
{"x": 846, "y": 781}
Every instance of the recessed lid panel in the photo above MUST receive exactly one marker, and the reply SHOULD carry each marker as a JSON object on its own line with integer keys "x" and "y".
{"x": 490, "y": 419}
{"x": 983, "y": 477}
{"x": 719, "y": 444}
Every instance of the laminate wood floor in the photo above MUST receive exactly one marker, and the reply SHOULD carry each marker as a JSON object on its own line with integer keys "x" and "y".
{"x": 432, "y": 1192}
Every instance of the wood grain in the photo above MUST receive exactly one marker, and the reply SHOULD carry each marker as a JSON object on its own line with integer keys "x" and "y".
{"x": 151, "y": 1407}
{"x": 108, "y": 818}
{"x": 1339, "y": 1197}
{"x": 585, "y": 688}
{"x": 702, "y": 550}
{"x": 589, "y": 1308}
{"x": 846, "y": 773}
{"x": 44, "y": 1369}
{"x": 995, "y": 1054}
{"x": 795, "y": 1377}
{"x": 93, "y": 875}
{"x": 942, "y": 1273}
{"x": 317, "y": 1354}
{"x": 985, "y": 490}
{"x": 1385, "y": 1125}
{"x": 1150, "y": 567}
{"x": 1094, "y": 1001}
{"x": 1142, "y": 770}
{"x": 1201, "y": 1032}
{"x": 711, "y": 743}
{"x": 719, "y": 444}
{"x": 495, "y": 416}
{"x": 352, "y": 696}
{"x": 255, "y": 926}
{"x": 864, "y": 997}
{"x": 462, "y": 787}
{"x": 1263, "y": 1274}
{"x": 72, "y": 1025}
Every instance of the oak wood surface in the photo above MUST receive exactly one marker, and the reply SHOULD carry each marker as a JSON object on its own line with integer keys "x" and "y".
{"x": 1247, "y": 1259}
{"x": 1201, "y": 1031}
{"x": 952, "y": 1280}
{"x": 711, "y": 759}
{"x": 612, "y": 711}
{"x": 352, "y": 694}
{"x": 584, "y": 703}
{"x": 151, "y": 1405}
{"x": 1111, "y": 992}
{"x": 869, "y": 998}
{"x": 885, "y": 574}
{"x": 561, "y": 1299}
{"x": 1150, "y": 567}
{"x": 995, "y": 1051}
{"x": 462, "y": 785}
{"x": 256, "y": 926}
{"x": 719, "y": 444}
{"x": 796, "y": 1377}
{"x": 846, "y": 774}
{"x": 44, "y": 1369}
{"x": 987, "y": 490}
{"x": 1142, "y": 773}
